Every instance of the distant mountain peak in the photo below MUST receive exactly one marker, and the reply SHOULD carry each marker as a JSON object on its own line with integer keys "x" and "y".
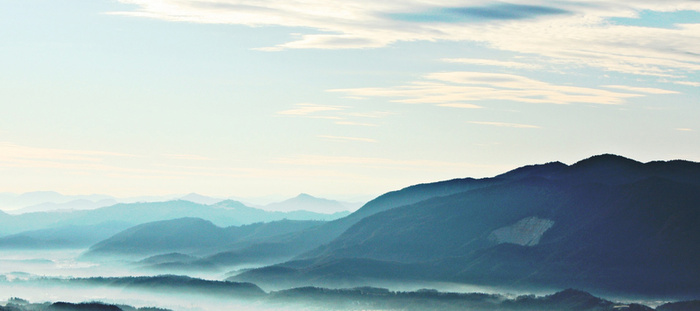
{"x": 305, "y": 201}
{"x": 305, "y": 195}
{"x": 606, "y": 158}
{"x": 201, "y": 199}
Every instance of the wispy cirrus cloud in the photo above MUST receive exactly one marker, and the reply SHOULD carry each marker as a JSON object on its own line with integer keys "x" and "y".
{"x": 491, "y": 62}
{"x": 461, "y": 89}
{"x": 340, "y": 114}
{"x": 565, "y": 32}
{"x": 646, "y": 90}
{"x": 687, "y": 83}
{"x": 309, "y": 109}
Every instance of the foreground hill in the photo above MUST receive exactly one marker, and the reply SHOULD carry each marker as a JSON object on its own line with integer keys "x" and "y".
{"x": 607, "y": 224}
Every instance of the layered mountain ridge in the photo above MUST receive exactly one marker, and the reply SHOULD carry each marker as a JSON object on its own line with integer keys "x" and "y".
{"x": 606, "y": 224}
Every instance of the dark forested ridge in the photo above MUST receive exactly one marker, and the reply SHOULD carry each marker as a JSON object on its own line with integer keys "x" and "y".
{"x": 606, "y": 223}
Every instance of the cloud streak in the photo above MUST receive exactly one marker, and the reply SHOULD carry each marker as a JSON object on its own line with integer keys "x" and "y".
{"x": 491, "y": 62}
{"x": 337, "y": 113}
{"x": 461, "y": 88}
{"x": 309, "y": 109}
{"x": 646, "y": 90}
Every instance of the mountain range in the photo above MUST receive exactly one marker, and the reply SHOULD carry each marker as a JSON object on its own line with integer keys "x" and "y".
{"x": 606, "y": 224}
{"x": 50, "y": 201}
{"x": 54, "y": 228}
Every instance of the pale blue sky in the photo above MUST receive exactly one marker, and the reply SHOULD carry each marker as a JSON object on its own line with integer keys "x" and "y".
{"x": 335, "y": 98}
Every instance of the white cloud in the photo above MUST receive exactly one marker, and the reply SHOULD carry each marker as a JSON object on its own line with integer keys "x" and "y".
{"x": 688, "y": 83}
{"x": 646, "y": 90}
{"x": 461, "y": 88}
{"x": 308, "y": 109}
{"x": 583, "y": 36}
{"x": 502, "y": 124}
{"x": 684, "y": 129}
{"x": 336, "y": 113}
{"x": 491, "y": 62}
{"x": 455, "y": 105}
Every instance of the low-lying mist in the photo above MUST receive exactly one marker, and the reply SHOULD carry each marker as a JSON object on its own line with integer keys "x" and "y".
{"x": 62, "y": 276}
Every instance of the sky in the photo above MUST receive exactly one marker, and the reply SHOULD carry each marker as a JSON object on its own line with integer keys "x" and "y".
{"x": 335, "y": 98}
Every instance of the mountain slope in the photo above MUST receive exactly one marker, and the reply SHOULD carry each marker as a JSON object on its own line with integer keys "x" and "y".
{"x": 306, "y": 240}
{"x": 606, "y": 223}
{"x": 191, "y": 236}
{"x": 62, "y": 237}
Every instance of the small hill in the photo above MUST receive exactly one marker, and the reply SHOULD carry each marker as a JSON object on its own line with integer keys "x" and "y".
{"x": 190, "y": 236}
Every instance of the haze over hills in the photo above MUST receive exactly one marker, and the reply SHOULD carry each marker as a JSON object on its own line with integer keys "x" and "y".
{"x": 37, "y": 200}
{"x": 79, "y": 204}
{"x": 225, "y": 213}
{"x": 310, "y": 203}
{"x": 48, "y": 201}
{"x": 191, "y": 236}
{"x": 69, "y": 236}
{"x": 606, "y": 223}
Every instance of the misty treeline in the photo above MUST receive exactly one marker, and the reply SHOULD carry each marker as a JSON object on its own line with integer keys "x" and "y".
{"x": 19, "y": 304}
{"x": 318, "y": 298}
